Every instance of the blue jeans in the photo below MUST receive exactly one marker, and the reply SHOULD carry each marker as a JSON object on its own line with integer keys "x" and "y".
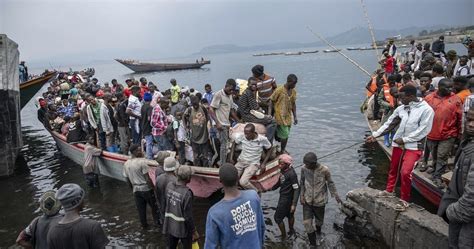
{"x": 149, "y": 146}
{"x": 135, "y": 126}
{"x": 162, "y": 142}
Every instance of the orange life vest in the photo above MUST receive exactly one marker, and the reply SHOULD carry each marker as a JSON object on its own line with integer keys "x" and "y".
{"x": 388, "y": 97}
{"x": 372, "y": 87}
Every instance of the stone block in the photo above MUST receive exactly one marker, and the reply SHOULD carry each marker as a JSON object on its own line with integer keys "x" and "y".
{"x": 414, "y": 228}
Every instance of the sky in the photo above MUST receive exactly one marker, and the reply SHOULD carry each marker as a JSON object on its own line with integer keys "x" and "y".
{"x": 113, "y": 28}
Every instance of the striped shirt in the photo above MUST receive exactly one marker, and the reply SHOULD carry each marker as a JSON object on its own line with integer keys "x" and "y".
{"x": 265, "y": 88}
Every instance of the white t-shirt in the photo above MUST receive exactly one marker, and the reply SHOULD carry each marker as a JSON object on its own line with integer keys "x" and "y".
{"x": 252, "y": 149}
{"x": 435, "y": 81}
{"x": 134, "y": 105}
{"x": 181, "y": 132}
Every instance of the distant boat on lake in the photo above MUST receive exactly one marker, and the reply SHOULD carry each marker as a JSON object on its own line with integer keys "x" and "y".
{"x": 310, "y": 52}
{"x": 293, "y": 53}
{"x": 331, "y": 50}
{"x": 141, "y": 67}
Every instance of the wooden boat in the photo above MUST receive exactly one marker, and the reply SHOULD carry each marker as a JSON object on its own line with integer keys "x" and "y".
{"x": 204, "y": 182}
{"x": 331, "y": 50}
{"x": 352, "y": 48}
{"x": 292, "y": 53}
{"x": 28, "y": 89}
{"x": 141, "y": 67}
{"x": 269, "y": 54}
{"x": 309, "y": 52}
{"x": 367, "y": 48}
{"x": 420, "y": 180}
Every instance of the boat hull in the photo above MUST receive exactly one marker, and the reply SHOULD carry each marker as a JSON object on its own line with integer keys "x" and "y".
{"x": 204, "y": 181}
{"x": 156, "y": 67}
{"x": 28, "y": 89}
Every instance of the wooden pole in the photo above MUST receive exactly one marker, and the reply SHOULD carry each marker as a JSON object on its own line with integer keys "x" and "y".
{"x": 345, "y": 56}
{"x": 374, "y": 43}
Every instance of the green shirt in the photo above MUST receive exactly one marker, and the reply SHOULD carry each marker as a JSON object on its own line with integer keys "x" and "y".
{"x": 96, "y": 112}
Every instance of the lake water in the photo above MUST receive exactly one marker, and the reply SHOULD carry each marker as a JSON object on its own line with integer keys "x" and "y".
{"x": 330, "y": 91}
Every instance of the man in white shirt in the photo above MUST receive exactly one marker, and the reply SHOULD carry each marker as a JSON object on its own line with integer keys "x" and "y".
{"x": 248, "y": 163}
{"x": 134, "y": 111}
{"x": 418, "y": 56}
{"x": 437, "y": 75}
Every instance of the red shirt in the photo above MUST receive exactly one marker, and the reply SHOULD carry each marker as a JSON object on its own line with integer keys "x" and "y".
{"x": 389, "y": 65}
{"x": 127, "y": 92}
{"x": 143, "y": 90}
{"x": 448, "y": 116}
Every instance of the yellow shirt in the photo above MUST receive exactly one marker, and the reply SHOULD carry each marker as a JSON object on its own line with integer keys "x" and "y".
{"x": 283, "y": 104}
{"x": 175, "y": 90}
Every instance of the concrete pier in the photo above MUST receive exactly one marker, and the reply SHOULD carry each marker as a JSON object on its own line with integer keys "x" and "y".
{"x": 10, "y": 125}
{"x": 372, "y": 220}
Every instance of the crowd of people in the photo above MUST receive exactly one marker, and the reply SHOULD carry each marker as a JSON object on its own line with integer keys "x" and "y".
{"x": 195, "y": 125}
{"x": 140, "y": 121}
{"x": 425, "y": 110}
{"x": 423, "y": 105}
{"x": 23, "y": 72}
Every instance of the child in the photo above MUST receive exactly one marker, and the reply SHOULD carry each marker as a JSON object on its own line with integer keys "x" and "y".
{"x": 180, "y": 136}
{"x": 315, "y": 181}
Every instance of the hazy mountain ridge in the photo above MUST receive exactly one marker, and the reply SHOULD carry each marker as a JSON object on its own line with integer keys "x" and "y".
{"x": 357, "y": 35}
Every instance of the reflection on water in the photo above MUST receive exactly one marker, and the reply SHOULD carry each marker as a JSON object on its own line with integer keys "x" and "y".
{"x": 329, "y": 95}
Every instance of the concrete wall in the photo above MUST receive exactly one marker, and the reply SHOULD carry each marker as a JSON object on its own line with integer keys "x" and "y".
{"x": 10, "y": 125}
{"x": 376, "y": 219}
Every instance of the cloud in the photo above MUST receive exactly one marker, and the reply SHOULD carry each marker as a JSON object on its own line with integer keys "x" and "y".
{"x": 111, "y": 28}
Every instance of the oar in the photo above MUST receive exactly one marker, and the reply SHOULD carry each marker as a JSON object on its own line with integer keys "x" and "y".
{"x": 341, "y": 53}
{"x": 374, "y": 44}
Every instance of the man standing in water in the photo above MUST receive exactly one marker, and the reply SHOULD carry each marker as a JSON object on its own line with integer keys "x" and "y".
{"x": 458, "y": 201}
{"x": 289, "y": 193}
{"x": 91, "y": 154}
{"x": 135, "y": 171}
{"x": 315, "y": 182}
{"x": 284, "y": 101}
{"x": 415, "y": 119}
{"x": 237, "y": 220}
{"x": 178, "y": 224}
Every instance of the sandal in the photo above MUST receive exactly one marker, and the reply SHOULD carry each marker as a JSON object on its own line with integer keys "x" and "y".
{"x": 385, "y": 194}
{"x": 422, "y": 166}
{"x": 402, "y": 206}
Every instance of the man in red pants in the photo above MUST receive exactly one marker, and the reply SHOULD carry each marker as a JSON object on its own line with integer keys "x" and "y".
{"x": 414, "y": 118}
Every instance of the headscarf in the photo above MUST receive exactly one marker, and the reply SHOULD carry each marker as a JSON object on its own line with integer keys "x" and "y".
{"x": 285, "y": 158}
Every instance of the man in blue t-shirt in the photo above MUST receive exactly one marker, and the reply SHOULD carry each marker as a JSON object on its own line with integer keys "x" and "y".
{"x": 237, "y": 220}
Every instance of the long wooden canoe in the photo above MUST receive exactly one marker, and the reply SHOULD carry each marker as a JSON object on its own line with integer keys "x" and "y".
{"x": 28, "y": 89}
{"x": 141, "y": 67}
{"x": 420, "y": 180}
{"x": 204, "y": 182}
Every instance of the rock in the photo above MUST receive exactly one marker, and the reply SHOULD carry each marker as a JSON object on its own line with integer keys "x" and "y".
{"x": 373, "y": 221}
